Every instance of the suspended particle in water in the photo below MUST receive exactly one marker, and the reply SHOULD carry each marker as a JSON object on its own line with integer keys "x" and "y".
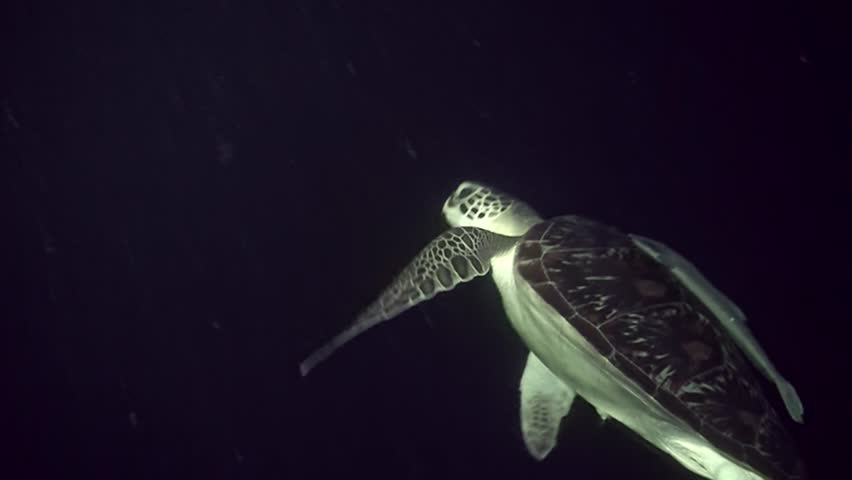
{"x": 10, "y": 117}
{"x": 409, "y": 148}
{"x": 47, "y": 243}
{"x": 224, "y": 151}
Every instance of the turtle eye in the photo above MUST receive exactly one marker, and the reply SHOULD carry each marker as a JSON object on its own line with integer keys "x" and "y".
{"x": 465, "y": 192}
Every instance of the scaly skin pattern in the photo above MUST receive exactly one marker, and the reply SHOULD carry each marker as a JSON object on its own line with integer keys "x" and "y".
{"x": 458, "y": 255}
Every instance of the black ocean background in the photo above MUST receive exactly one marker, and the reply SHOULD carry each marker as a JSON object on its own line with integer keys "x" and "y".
{"x": 200, "y": 193}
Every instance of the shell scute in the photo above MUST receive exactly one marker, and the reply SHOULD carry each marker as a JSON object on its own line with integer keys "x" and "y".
{"x": 649, "y": 326}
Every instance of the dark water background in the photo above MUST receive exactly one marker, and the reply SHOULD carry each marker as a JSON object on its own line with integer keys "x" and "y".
{"x": 203, "y": 192}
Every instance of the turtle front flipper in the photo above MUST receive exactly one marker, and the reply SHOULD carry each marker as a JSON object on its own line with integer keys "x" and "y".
{"x": 545, "y": 399}
{"x": 729, "y": 315}
{"x": 458, "y": 255}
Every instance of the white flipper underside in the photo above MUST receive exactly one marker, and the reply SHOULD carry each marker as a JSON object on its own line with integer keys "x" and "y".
{"x": 458, "y": 255}
{"x": 545, "y": 400}
{"x": 730, "y": 317}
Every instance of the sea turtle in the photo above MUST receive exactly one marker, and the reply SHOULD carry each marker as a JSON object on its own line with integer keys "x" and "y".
{"x": 621, "y": 320}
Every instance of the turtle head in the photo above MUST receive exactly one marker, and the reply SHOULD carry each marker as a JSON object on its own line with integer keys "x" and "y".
{"x": 474, "y": 204}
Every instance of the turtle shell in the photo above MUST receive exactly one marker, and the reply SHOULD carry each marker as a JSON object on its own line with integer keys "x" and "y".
{"x": 654, "y": 330}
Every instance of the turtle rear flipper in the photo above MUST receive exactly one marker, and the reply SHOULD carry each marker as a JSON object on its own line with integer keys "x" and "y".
{"x": 458, "y": 255}
{"x": 545, "y": 400}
